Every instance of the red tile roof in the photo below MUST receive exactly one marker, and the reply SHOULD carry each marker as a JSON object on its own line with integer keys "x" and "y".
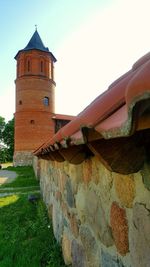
{"x": 119, "y": 112}
{"x": 63, "y": 117}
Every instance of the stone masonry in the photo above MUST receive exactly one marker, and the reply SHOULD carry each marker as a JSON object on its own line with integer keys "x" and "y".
{"x": 101, "y": 218}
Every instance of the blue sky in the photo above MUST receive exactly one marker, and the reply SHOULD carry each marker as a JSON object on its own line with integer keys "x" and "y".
{"x": 94, "y": 41}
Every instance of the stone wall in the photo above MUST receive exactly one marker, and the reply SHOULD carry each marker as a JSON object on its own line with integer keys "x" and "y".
{"x": 23, "y": 158}
{"x": 101, "y": 218}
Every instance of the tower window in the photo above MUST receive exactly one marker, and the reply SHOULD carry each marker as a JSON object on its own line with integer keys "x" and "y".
{"x": 46, "y": 101}
{"x": 42, "y": 66}
{"x": 32, "y": 121}
{"x": 28, "y": 65}
{"x": 20, "y": 102}
{"x": 18, "y": 69}
{"x": 50, "y": 70}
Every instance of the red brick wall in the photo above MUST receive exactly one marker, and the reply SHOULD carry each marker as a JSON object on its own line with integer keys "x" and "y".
{"x": 33, "y": 119}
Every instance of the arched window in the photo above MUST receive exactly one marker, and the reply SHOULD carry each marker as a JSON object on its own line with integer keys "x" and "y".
{"x": 18, "y": 69}
{"x": 50, "y": 70}
{"x": 41, "y": 66}
{"x": 46, "y": 101}
{"x": 20, "y": 102}
{"x": 28, "y": 65}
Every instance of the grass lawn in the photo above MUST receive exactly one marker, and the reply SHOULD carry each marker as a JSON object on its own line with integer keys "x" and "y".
{"x": 26, "y": 235}
{"x": 25, "y": 177}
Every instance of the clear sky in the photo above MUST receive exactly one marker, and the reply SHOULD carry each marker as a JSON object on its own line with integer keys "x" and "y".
{"x": 94, "y": 41}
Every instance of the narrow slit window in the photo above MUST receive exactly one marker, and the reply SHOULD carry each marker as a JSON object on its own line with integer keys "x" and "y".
{"x": 46, "y": 101}
{"x": 32, "y": 121}
{"x": 41, "y": 66}
{"x": 18, "y": 69}
{"x": 20, "y": 102}
{"x": 28, "y": 65}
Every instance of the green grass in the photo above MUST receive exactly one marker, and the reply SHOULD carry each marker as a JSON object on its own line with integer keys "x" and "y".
{"x": 20, "y": 190}
{"x": 26, "y": 235}
{"x": 25, "y": 177}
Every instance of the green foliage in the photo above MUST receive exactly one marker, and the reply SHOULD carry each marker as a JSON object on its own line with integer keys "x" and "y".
{"x": 7, "y": 137}
{"x": 2, "y": 126}
{"x": 26, "y": 235}
{"x": 3, "y": 155}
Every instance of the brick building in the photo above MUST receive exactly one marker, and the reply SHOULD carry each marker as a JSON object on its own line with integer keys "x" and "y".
{"x": 35, "y": 118}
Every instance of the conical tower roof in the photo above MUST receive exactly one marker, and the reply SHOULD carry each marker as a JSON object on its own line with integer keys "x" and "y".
{"x": 36, "y": 43}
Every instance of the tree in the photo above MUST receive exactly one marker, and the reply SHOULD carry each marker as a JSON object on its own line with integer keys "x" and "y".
{"x": 3, "y": 155}
{"x": 8, "y": 138}
{"x": 2, "y": 126}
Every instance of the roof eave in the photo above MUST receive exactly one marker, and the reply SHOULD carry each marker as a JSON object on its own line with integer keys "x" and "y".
{"x": 23, "y": 50}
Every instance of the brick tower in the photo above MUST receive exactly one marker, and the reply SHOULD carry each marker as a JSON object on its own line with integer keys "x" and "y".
{"x": 35, "y": 99}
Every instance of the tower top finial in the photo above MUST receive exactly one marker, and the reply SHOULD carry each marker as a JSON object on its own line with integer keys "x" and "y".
{"x": 35, "y": 27}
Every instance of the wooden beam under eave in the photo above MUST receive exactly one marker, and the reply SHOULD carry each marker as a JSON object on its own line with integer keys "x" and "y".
{"x": 57, "y": 156}
{"x": 121, "y": 155}
{"x": 46, "y": 157}
{"x": 143, "y": 122}
{"x": 90, "y": 134}
{"x": 74, "y": 154}
{"x": 99, "y": 156}
{"x": 54, "y": 156}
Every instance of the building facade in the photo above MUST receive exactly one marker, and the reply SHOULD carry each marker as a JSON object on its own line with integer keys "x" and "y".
{"x": 35, "y": 99}
{"x": 35, "y": 118}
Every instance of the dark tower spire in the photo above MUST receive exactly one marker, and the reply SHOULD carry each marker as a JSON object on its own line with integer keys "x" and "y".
{"x": 36, "y": 43}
